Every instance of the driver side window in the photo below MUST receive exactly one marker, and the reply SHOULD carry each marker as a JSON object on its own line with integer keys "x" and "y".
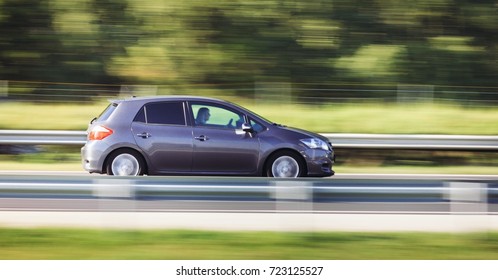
{"x": 210, "y": 115}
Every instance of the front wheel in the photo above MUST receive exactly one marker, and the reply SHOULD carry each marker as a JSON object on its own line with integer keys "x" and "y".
{"x": 285, "y": 165}
{"x": 125, "y": 163}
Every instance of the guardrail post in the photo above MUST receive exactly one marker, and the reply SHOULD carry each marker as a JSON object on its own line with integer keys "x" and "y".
{"x": 114, "y": 194}
{"x": 296, "y": 198}
{"x": 292, "y": 191}
{"x": 113, "y": 188}
{"x": 467, "y": 197}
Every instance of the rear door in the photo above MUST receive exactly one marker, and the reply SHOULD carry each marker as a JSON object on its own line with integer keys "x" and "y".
{"x": 161, "y": 131}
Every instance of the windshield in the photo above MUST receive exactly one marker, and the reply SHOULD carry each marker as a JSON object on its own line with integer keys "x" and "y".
{"x": 254, "y": 114}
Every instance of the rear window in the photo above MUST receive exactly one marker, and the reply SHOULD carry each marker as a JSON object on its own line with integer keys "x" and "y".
{"x": 107, "y": 112}
{"x": 170, "y": 113}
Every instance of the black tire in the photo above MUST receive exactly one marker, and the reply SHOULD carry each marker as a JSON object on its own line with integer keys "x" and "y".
{"x": 285, "y": 164}
{"x": 125, "y": 163}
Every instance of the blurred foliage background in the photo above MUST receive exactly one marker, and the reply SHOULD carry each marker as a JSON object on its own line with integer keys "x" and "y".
{"x": 314, "y": 51}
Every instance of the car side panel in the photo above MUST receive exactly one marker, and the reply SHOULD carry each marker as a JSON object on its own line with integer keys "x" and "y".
{"x": 225, "y": 151}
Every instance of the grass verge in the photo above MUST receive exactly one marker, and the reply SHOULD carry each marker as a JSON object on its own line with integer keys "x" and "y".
{"x": 60, "y": 244}
{"x": 330, "y": 118}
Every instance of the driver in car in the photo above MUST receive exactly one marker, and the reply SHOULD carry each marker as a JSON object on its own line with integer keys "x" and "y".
{"x": 202, "y": 116}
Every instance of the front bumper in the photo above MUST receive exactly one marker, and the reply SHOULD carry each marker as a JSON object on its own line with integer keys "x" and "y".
{"x": 319, "y": 162}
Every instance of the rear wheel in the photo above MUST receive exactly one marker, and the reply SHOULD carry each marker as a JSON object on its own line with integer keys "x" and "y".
{"x": 125, "y": 163}
{"x": 285, "y": 165}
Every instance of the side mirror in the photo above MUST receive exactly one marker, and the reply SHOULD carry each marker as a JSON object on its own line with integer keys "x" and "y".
{"x": 247, "y": 128}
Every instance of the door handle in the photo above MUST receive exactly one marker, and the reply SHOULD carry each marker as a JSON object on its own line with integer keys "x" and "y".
{"x": 201, "y": 138}
{"x": 144, "y": 135}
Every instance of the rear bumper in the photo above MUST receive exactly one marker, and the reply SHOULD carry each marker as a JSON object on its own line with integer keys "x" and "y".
{"x": 92, "y": 159}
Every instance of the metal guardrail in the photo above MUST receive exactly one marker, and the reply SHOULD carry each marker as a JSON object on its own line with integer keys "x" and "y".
{"x": 42, "y": 137}
{"x": 414, "y": 141}
{"x": 264, "y": 204}
{"x": 356, "y": 141}
{"x": 255, "y": 189}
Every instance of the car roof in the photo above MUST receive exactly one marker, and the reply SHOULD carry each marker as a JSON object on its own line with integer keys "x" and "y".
{"x": 168, "y": 98}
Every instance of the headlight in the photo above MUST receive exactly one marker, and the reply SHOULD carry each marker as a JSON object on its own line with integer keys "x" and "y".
{"x": 315, "y": 143}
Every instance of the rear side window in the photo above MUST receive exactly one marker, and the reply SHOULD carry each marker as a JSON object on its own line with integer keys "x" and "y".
{"x": 140, "y": 117}
{"x": 107, "y": 112}
{"x": 171, "y": 113}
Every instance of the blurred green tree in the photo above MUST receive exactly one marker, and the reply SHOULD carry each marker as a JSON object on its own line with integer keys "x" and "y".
{"x": 30, "y": 47}
{"x": 235, "y": 46}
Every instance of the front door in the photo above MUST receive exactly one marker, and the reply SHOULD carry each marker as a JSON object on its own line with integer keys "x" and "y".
{"x": 220, "y": 146}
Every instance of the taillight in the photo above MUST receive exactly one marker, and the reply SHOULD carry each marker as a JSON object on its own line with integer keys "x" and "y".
{"x": 99, "y": 132}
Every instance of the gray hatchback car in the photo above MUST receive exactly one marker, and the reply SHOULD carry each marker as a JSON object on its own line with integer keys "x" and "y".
{"x": 180, "y": 135}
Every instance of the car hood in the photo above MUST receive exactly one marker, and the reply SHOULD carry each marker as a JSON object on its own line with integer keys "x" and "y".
{"x": 305, "y": 133}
